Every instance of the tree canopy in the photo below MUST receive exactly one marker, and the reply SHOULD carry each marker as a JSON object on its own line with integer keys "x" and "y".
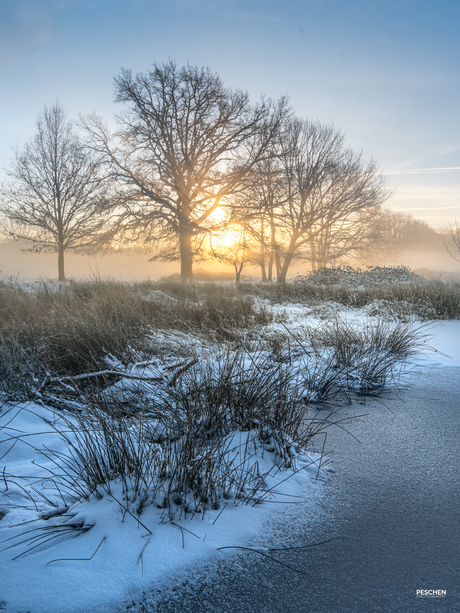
{"x": 183, "y": 149}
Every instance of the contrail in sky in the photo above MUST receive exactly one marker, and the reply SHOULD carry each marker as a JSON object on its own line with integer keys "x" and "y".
{"x": 415, "y": 171}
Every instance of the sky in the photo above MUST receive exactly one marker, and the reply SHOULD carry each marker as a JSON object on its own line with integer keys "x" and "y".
{"x": 386, "y": 72}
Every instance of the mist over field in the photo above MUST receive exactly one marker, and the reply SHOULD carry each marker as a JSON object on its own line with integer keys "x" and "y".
{"x": 18, "y": 263}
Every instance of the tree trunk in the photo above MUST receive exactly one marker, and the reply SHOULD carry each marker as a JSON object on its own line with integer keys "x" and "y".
{"x": 263, "y": 271}
{"x": 313, "y": 251}
{"x": 278, "y": 262}
{"x": 61, "y": 272}
{"x": 284, "y": 268}
{"x": 273, "y": 248}
{"x": 325, "y": 246}
{"x": 262, "y": 252}
{"x": 186, "y": 254}
{"x": 238, "y": 270}
{"x": 287, "y": 260}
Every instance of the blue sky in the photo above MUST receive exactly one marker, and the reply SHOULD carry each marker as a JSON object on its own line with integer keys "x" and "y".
{"x": 386, "y": 72}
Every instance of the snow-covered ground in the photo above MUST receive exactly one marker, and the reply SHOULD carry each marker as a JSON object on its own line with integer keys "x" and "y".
{"x": 87, "y": 570}
{"x": 82, "y": 571}
{"x": 446, "y": 342}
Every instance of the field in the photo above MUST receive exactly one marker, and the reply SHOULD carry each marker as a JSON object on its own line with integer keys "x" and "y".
{"x": 146, "y": 426}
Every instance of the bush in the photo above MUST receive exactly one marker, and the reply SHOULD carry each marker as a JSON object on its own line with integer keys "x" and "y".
{"x": 70, "y": 329}
{"x": 196, "y": 444}
{"x": 340, "y": 358}
{"x": 373, "y": 275}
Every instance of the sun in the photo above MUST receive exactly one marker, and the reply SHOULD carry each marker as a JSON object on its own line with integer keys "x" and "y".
{"x": 227, "y": 238}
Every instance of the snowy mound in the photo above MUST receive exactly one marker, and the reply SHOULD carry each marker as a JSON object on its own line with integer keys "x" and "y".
{"x": 373, "y": 275}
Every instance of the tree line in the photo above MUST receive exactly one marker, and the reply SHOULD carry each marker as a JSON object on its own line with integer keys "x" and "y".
{"x": 192, "y": 161}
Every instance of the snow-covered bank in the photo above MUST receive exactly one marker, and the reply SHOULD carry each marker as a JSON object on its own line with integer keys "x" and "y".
{"x": 86, "y": 569}
{"x": 442, "y": 336}
{"x": 94, "y": 552}
{"x": 83, "y": 571}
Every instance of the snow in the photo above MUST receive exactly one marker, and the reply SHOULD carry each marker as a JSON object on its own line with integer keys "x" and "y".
{"x": 442, "y": 337}
{"x": 446, "y": 342}
{"x": 89, "y": 570}
{"x": 85, "y": 571}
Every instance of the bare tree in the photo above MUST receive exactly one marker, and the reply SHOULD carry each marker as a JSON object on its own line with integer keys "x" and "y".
{"x": 327, "y": 187}
{"x": 240, "y": 252}
{"x": 56, "y": 190}
{"x": 182, "y": 152}
{"x": 454, "y": 248}
{"x": 400, "y": 232}
{"x": 353, "y": 237}
{"x": 269, "y": 194}
{"x": 256, "y": 207}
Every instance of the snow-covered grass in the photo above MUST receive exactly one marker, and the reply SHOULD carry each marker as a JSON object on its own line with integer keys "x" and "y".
{"x": 202, "y": 410}
{"x": 81, "y": 556}
{"x": 393, "y": 292}
{"x": 72, "y": 328}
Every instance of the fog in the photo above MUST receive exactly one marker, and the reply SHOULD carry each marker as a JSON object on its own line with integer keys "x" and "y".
{"x": 23, "y": 265}
{"x": 430, "y": 259}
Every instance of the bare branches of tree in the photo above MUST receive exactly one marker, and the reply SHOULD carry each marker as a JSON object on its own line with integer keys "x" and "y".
{"x": 354, "y": 237}
{"x": 189, "y": 159}
{"x": 311, "y": 197}
{"x": 398, "y": 232}
{"x": 183, "y": 150}
{"x": 324, "y": 191}
{"x": 454, "y": 249}
{"x": 238, "y": 249}
{"x": 56, "y": 192}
